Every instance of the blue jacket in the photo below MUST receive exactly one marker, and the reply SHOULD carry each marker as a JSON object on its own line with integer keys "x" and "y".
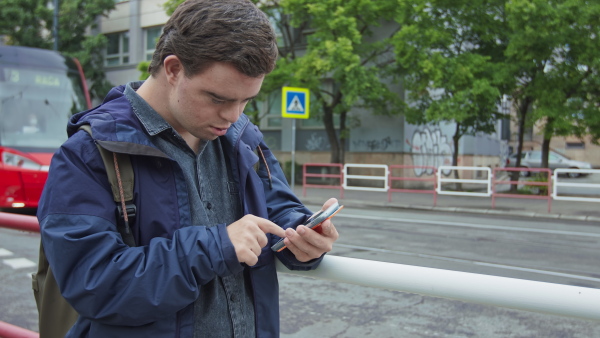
{"x": 149, "y": 290}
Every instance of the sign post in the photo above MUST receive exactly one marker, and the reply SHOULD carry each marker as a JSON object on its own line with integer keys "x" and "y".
{"x": 295, "y": 104}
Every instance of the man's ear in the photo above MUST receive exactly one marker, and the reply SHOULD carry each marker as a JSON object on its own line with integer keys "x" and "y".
{"x": 173, "y": 68}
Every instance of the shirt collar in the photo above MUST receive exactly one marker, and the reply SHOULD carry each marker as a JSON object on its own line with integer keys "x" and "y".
{"x": 150, "y": 119}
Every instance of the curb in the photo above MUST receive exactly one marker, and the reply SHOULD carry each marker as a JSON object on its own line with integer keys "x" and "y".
{"x": 519, "y": 213}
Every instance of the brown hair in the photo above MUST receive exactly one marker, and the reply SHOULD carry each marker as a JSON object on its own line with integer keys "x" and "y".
{"x": 201, "y": 32}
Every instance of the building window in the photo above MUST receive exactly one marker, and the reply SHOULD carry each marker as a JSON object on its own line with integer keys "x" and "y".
{"x": 117, "y": 49}
{"x": 575, "y": 145}
{"x": 151, "y": 37}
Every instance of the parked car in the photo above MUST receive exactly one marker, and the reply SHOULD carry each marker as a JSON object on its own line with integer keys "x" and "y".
{"x": 533, "y": 159}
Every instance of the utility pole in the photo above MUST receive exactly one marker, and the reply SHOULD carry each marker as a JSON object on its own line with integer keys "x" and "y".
{"x": 55, "y": 25}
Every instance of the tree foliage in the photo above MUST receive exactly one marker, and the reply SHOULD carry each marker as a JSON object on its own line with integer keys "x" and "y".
{"x": 29, "y": 23}
{"x": 552, "y": 55}
{"x": 448, "y": 74}
{"x": 347, "y": 61}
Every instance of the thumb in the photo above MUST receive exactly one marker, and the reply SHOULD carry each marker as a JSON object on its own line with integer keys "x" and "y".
{"x": 269, "y": 227}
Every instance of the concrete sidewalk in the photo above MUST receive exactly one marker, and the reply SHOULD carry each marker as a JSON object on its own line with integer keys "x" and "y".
{"x": 568, "y": 210}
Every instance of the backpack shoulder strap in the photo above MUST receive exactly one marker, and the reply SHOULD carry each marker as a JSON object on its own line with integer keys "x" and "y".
{"x": 120, "y": 175}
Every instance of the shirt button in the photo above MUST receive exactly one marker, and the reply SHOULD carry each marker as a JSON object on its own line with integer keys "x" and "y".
{"x": 232, "y": 298}
{"x": 208, "y": 205}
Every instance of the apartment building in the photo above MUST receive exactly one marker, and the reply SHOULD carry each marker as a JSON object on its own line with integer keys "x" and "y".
{"x": 132, "y": 29}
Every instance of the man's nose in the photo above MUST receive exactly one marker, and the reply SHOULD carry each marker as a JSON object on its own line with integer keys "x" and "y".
{"x": 232, "y": 112}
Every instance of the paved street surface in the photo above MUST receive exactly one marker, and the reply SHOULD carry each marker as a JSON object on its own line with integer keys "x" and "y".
{"x": 345, "y": 310}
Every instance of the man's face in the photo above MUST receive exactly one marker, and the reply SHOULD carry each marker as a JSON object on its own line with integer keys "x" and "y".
{"x": 206, "y": 104}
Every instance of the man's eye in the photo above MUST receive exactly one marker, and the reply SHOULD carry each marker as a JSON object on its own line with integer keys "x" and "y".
{"x": 215, "y": 101}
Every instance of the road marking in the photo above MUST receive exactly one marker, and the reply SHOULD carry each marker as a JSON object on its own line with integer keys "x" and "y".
{"x": 19, "y": 263}
{"x": 5, "y": 253}
{"x": 460, "y": 260}
{"x": 469, "y": 225}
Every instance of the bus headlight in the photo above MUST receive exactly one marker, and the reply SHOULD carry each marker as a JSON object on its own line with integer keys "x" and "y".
{"x": 19, "y": 161}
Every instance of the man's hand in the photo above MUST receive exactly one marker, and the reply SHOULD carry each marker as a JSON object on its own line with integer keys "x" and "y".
{"x": 248, "y": 237}
{"x": 307, "y": 244}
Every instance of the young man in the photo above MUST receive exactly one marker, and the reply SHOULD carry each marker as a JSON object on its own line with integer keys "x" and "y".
{"x": 206, "y": 218}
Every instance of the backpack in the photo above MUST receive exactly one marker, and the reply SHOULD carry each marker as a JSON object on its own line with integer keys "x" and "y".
{"x": 56, "y": 316}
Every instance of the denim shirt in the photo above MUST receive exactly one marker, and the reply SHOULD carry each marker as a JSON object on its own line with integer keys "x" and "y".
{"x": 225, "y": 306}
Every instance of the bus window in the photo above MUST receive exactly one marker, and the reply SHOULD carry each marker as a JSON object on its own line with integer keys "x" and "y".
{"x": 36, "y": 105}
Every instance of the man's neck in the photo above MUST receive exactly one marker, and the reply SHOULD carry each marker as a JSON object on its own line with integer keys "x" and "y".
{"x": 156, "y": 93}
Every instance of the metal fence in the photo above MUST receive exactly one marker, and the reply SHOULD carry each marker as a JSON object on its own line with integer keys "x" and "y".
{"x": 485, "y": 183}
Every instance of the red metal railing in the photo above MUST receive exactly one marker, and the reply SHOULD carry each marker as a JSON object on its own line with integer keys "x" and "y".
{"x": 547, "y": 184}
{"x": 11, "y": 331}
{"x": 431, "y": 178}
{"x": 19, "y": 222}
{"x": 339, "y": 176}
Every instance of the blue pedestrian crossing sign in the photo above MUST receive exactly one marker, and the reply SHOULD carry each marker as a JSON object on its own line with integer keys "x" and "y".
{"x": 295, "y": 103}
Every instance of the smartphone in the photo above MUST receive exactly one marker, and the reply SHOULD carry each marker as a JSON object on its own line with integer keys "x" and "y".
{"x": 314, "y": 222}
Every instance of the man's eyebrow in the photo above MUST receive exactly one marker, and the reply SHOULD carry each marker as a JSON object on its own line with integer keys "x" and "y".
{"x": 222, "y": 98}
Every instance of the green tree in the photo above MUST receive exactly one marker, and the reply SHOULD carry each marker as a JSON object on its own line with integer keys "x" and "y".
{"x": 447, "y": 64}
{"x": 22, "y": 22}
{"x": 347, "y": 61}
{"x": 555, "y": 46}
{"x": 28, "y": 23}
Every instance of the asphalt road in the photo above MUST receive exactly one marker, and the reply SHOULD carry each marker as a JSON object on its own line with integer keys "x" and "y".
{"x": 526, "y": 248}
{"x": 555, "y": 251}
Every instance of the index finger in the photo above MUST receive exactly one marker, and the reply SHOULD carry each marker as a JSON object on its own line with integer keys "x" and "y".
{"x": 269, "y": 227}
{"x": 329, "y": 203}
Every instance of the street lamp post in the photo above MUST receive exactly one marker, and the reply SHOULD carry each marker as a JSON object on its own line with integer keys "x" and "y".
{"x": 55, "y": 25}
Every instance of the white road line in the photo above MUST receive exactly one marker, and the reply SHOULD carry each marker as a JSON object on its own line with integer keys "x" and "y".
{"x": 459, "y": 260}
{"x": 5, "y": 253}
{"x": 469, "y": 225}
{"x": 19, "y": 263}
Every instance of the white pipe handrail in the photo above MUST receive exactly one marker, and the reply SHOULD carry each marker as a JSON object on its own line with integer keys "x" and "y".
{"x": 557, "y": 299}
{"x": 383, "y": 177}
{"x": 557, "y": 183}
{"x": 487, "y": 181}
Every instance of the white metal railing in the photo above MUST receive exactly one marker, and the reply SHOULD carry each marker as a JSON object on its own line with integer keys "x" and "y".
{"x": 383, "y": 178}
{"x": 557, "y": 299}
{"x": 487, "y": 181}
{"x": 557, "y": 183}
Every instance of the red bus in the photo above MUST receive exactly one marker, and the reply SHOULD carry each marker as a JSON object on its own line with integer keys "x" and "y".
{"x": 39, "y": 91}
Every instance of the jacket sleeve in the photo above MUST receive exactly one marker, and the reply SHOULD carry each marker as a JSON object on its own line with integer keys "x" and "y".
{"x": 100, "y": 276}
{"x": 284, "y": 208}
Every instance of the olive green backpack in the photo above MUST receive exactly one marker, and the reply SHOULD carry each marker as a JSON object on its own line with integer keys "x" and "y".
{"x": 56, "y": 316}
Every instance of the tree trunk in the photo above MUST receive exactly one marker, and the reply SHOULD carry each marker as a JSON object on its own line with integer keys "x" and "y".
{"x": 343, "y": 137}
{"x": 331, "y": 135}
{"x": 546, "y": 142}
{"x": 337, "y": 145}
{"x": 523, "y": 108}
{"x": 546, "y": 146}
{"x": 455, "y": 139}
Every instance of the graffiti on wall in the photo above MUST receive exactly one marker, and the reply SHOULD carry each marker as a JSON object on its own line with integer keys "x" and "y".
{"x": 429, "y": 147}
{"x": 315, "y": 142}
{"x": 376, "y": 144}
